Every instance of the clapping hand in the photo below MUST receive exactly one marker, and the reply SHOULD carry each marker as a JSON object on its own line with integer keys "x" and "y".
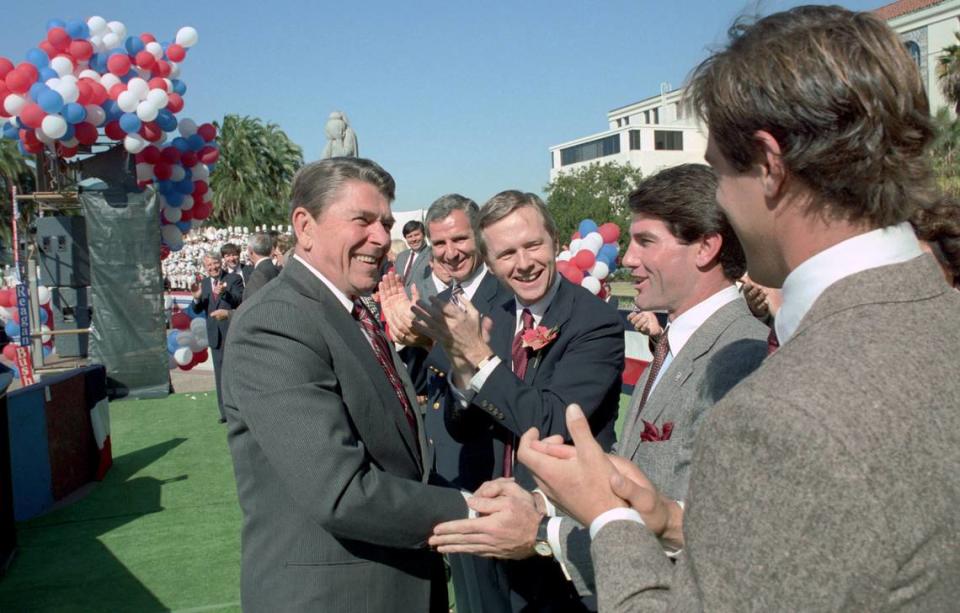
{"x": 396, "y": 310}
{"x": 646, "y": 322}
{"x": 460, "y": 329}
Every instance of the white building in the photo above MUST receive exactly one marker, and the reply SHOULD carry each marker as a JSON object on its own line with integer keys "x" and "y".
{"x": 660, "y": 131}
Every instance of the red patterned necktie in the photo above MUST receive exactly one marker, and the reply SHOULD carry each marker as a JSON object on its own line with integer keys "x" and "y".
{"x": 520, "y": 356}
{"x": 773, "y": 343}
{"x": 382, "y": 352}
{"x": 213, "y": 287}
{"x": 663, "y": 348}
{"x": 409, "y": 265}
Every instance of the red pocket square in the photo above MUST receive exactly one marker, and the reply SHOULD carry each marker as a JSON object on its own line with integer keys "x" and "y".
{"x": 651, "y": 433}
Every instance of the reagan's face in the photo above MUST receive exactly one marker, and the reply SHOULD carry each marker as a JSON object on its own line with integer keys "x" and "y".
{"x": 454, "y": 246}
{"x": 414, "y": 239}
{"x": 663, "y": 269}
{"x": 349, "y": 240}
{"x": 522, "y": 254}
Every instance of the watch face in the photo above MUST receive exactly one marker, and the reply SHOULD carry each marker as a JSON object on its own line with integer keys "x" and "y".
{"x": 543, "y": 548}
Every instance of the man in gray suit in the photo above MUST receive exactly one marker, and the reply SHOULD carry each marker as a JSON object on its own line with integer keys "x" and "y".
{"x": 259, "y": 249}
{"x": 827, "y": 480}
{"x": 685, "y": 260}
{"x": 434, "y": 283}
{"x": 413, "y": 264}
{"x": 328, "y": 446}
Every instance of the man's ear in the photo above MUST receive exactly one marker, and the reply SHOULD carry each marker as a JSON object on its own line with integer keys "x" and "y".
{"x": 709, "y": 249}
{"x": 301, "y": 221}
{"x": 770, "y": 160}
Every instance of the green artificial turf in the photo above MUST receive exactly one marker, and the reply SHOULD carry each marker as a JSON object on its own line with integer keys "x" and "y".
{"x": 160, "y": 533}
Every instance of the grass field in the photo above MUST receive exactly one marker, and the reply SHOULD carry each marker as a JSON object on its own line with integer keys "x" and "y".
{"x": 160, "y": 533}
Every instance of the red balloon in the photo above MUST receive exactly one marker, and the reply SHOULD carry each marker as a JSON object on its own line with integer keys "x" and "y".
{"x": 151, "y": 154}
{"x": 47, "y": 48}
{"x": 162, "y": 171}
{"x": 158, "y": 83}
{"x": 98, "y": 93}
{"x": 174, "y": 102}
{"x": 186, "y": 214}
{"x": 116, "y": 90}
{"x": 15, "y": 315}
{"x": 81, "y": 50}
{"x": 30, "y": 70}
{"x": 34, "y": 147}
{"x": 59, "y": 38}
{"x": 209, "y": 155}
{"x": 145, "y": 60}
{"x": 150, "y": 131}
{"x": 114, "y": 131}
{"x": 170, "y": 155}
{"x": 188, "y": 159}
{"x": 186, "y": 366}
{"x": 176, "y": 53}
{"x": 200, "y": 188}
{"x": 180, "y": 321}
{"x": 207, "y": 132}
{"x": 201, "y": 356}
{"x": 164, "y": 252}
{"x": 8, "y": 297}
{"x": 575, "y": 235}
{"x": 584, "y": 259}
{"x": 10, "y": 351}
{"x": 18, "y": 81}
{"x": 32, "y": 115}
{"x": 146, "y": 37}
{"x": 162, "y": 68}
{"x": 66, "y": 152}
{"x": 570, "y": 272}
{"x": 86, "y": 92}
{"x": 610, "y": 232}
{"x": 119, "y": 64}
{"x": 201, "y": 210}
{"x": 85, "y": 133}
{"x": 5, "y": 67}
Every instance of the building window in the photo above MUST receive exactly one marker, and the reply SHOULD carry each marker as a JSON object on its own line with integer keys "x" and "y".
{"x": 914, "y": 50}
{"x": 590, "y": 151}
{"x": 626, "y": 120}
{"x": 634, "y": 140}
{"x": 646, "y": 117}
{"x": 667, "y": 140}
{"x": 656, "y": 115}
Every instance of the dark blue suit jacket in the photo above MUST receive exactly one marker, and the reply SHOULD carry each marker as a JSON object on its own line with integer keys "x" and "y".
{"x": 228, "y": 299}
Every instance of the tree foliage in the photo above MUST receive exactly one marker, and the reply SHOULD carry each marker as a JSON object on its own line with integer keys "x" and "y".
{"x": 251, "y": 182}
{"x": 948, "y": 73}
{"x": 945, "y": 152}
{"x": 13, "y": 171}
{"x": 596, "y": 191}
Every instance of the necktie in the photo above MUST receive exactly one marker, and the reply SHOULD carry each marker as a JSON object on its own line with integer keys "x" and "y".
{"x": 663, "y": 348}
{"x": 382, "y": 352}
{"x": 456, "y": 293}
{"x": 409, "y": 265}
{"x": 520, "y": 356}
{"x": 773, "y": 343}
{"x": 214, "y": 285}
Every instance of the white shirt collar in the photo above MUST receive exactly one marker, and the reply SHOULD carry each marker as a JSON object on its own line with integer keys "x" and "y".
{"x": 470, "y": 287}
{"x": 538, "y": 308}
{"x": 684, "y": 326}
{"x": 802, "y": 287}
{"x": 440, "y": 285}
{"x": 343, "y": 298}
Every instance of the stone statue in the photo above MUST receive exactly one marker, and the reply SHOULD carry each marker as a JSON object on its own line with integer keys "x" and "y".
{"x": 341, "y": 139}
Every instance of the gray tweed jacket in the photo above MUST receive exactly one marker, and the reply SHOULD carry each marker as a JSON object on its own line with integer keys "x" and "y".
{"x": 830, "y": 478}
{"x": 726, "y": 348}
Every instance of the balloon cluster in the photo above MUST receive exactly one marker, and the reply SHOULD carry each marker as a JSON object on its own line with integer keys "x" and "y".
{"x": 187, "y": 341}
{"x": 10, "y": 317}
{"x": 88, "y": 77}
{"x": 592, "y": 256}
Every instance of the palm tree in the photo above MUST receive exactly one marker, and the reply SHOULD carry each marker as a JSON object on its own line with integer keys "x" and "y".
{"x": 945, "y": 151}
{"x": 948, "y": 72}
{"x": 251, "y": 182}
{"x": 14, "y": 171}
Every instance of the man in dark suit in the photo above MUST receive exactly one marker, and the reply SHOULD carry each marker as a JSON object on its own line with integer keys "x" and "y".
{"x": 413, "y": 264}
{"x": 328, "y": 446}
{"x": 217, "y": 295}
{"x": 504, "y": 382}
{"x": 230, "y": 255}
{"x": 259, "y": 250}
{"x": 826, "y": 480}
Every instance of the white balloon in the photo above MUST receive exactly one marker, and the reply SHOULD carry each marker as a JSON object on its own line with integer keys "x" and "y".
{"x": 173, "y": 214}
{"x": 177, "y": 173}
{"x": 68, "y": 90}
{"x": 89, "y": 74}
{"x": 97, "y": 41}
{"x": 172, "y": 236}
{"x": 54, "y": 126}
{"x": 188, "y": 127}
{"x": 134, "y": 143}
{"x": 70, "y": 142}
{"x": 207, "y": 196}
{"x": 592, "y": 284}
{"x": 62, "y": 65}
{"x": 45, "y": 335}
{"x": 128, "y": 101}
{"x": 575, "y": 245}
{"x": 158, "y": 98}
{"x": 14, "y": 103}
{"x": 187, "y": 203}
{"x": 199, "y": 343}
{"x": 111, "y": 40}
{"x": 592, "y": 242}
{"x": 43, "y": 137}
{"x": 144, "y": 172}
{"x": 155, "y": 49}
{"x": 43, "y": 294}
{"x": 97, "y": 25}
{"x": 183, "y": 355}
{"x": 6, "y": 314}
{"x": 146, "y": 111}
{"x": 174, "y": 70}
{"x": 109, "y": 80}
{"x": 600, "y": 270}
{"x": 187, "y": 37}
{"x": 139, "y": 87}
{"x": 198, "y": 327}
{"x": 200, "y": 172}
{"x": 118, "y": 28}
{"x": 95, "y": 114}
{"x": 564, "y": 256}
{"x": 162, "y": 201}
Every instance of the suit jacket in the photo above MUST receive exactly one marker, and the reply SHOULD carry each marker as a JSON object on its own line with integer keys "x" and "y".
{"x": 228, "y": 299}
{"x": 330, "y": 478}
{"x": 827, "y": 480}
{"x": 426, "y": 287}
{"x": 259, "y": 277}
{"x": 727, "y": 347}
{"x": 245, "y": 271}
{"x": 420, "y": 269}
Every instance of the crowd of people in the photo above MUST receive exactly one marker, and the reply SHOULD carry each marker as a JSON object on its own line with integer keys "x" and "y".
{"x": 793, "y": 445}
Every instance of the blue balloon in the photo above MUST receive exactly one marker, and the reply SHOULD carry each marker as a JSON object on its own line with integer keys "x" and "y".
{"x": 172, "y": 344}
{"x": 47, "y": 351}
{"x": 74, "y": 113}
{"x": 38, "y": 58}
{"x": 78, "y": 29}
{"x": 179, "y": 87}
{"x": 175, "y": 198}
{"x": 50, "y": 101}
{"x": 587, "y": 226}
{"x": 36, "y": 89}
{"x": 43, "y": 316}
{"x": 196, "y": 142}
{"x": 12, "y": 328}
{"x": 185, "y": 187}
{"x": 10, "y": 131}
{"x": 166, "y": 121}
{"x": 133, "y": 45}
{"x": 181, "y": 143}
{"x": 98, "y": 61}
{"x": 608, "y": 255}
{"x": 70, "y": 133}
{"x": 45, "y": 74}
{"x": 56, "y": 23}
{"x": 130, "y": 123}
{"x": 165, "y": 187}
{"x": 184, "y": 226}
{"x": 16, "y": 372}
{"x": 112, "y": 111}
{"x": 23, "y": 150}
{"x": 194, "y": 314}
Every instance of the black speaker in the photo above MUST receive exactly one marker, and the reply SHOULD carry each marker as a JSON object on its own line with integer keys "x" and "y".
{"x": 71, "y": 311}
{"x": 63, "y": 257}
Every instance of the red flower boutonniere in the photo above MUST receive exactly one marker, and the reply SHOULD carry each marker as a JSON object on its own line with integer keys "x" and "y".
{"x": 651, "y": 433}
{"x": 538, "y": 338}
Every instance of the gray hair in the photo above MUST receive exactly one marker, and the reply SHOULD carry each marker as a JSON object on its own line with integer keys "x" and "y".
{"x": 443, "y": 206}
{"x": 213, "y": 255}
{"x": 261, "y": 244}
{"x": 316, "y": 184}
{"x": 505, "y": 203}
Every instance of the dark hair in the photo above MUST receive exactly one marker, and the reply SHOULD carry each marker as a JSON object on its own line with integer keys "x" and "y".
{"x": 443, "y": 206}
{"x": 939, "y": 225}
{"x": 229, "y": 249}
{"x": 412, "y": 226}
{"x": 507, "y": 202}
{"x": 317, "y": 183}
{"x": 685, "y": 199}
{"x": 842, "y": 97}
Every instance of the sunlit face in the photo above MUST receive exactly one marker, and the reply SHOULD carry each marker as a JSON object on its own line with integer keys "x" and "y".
{"x": 212, "y": 266}
{"x": 522, "y": 254}
{"x": 414, "y": 239}
{"x": 442, "y": 273}
{"x": 349, "y": 240}
{"x": 663, "y": 269}
{"x": 231, "y": 260}
{"x": 454, "y": 246}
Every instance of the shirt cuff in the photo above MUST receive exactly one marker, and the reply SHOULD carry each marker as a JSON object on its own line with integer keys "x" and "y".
{"x": 667, "y": 549}
{"x": 471, "y": 514}
{"x": 615, "y": 514}
{"x": 477, "y": 381}
{"x": 553, "y": 538}
{"x": 551, "y": 509}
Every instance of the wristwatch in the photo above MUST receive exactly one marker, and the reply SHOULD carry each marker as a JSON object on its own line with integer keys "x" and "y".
{"x": 542, "y": 545}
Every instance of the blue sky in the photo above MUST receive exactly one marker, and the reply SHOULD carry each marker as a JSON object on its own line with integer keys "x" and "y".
{"x": 448, "y": 96}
